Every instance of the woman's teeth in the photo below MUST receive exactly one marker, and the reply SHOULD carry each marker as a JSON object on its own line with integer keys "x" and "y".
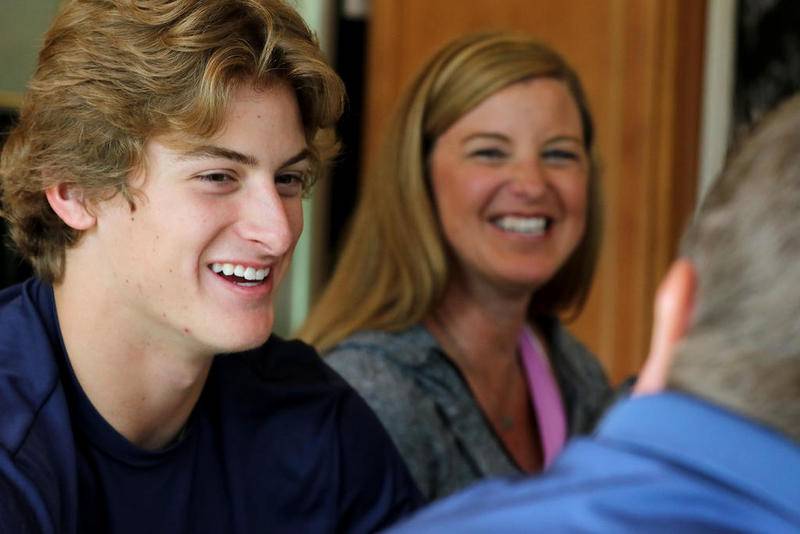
{"x": 240, "y": 271}
{"x": 523, "y": 225}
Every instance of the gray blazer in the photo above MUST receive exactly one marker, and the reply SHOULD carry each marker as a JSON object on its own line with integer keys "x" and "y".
{"x": 427, "y": 407}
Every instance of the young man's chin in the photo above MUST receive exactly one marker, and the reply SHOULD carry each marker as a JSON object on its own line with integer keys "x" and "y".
{"x": 243, "y": 337}
{"x": 244, "y": 343}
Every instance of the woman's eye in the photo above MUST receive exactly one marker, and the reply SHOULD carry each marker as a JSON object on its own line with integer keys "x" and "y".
{"x": 559, "y": 154}
{"x": 489, "y": 153}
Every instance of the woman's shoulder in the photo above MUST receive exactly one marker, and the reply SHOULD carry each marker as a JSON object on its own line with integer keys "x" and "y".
{"x": 378, "y": 349}
{"x": 571, "y": 353}
{"x": 581, "y": 376}
{"x": 387, "y": 369}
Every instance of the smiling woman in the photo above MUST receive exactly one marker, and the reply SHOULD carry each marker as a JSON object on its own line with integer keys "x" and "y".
{"x": 477, "y": 226}
{"x": 509, "y": 183}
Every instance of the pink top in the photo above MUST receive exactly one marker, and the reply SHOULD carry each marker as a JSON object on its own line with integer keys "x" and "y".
{"x": 545, "y": 396}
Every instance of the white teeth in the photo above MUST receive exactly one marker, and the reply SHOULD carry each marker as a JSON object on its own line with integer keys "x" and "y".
{"x": 250, "y": 274}
{"x": 524, "y": 225}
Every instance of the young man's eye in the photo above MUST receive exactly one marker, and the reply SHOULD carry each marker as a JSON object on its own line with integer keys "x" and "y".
{"x": 216, "y": 177}
{"x": 290, "y": 184}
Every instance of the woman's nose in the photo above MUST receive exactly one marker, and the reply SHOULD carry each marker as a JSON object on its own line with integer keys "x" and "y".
{"x": 529, "y": 177}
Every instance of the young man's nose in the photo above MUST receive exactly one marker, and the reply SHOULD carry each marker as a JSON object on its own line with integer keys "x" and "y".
{"x": 264, "y": 219}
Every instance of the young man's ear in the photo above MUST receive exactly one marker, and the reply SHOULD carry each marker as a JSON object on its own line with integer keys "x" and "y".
{"x": 68, "y": 201}
{"x": 673, "y": 311}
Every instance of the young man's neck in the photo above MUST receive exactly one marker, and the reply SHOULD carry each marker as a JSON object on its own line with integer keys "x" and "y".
{"x": 144, "y": 387}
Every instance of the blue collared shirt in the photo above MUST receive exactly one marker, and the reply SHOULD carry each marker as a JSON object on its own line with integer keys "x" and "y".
{"x": 663, "y": 463}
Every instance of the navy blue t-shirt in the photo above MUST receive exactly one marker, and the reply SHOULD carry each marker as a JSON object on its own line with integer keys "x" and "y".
{"x": 277, "y": 443}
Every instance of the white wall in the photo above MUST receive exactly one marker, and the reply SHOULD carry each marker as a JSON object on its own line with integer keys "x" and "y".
{"x": 294, "y": 296}
{"x": 718, "y": 87}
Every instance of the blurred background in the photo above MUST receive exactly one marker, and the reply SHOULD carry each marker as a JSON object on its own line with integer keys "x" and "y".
{"x": 671, "y": 84}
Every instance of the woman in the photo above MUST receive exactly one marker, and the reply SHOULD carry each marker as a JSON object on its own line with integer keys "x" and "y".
{"x": 478, "y": 225}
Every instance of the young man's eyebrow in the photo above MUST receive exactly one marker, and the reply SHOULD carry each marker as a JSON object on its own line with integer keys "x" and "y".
{"x": 300, "y": 156}
{"x": 213, "y": 151}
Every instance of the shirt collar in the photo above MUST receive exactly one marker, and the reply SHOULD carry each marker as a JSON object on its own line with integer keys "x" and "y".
{"x": 710, "y": 439}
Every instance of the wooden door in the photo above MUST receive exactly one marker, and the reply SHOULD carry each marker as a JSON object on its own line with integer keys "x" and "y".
{"x": 641, "y": 64}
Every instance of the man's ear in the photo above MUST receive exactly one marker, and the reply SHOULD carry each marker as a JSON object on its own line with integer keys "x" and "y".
{"x": 68, "y": 201}
{"x": 673, "y": 311}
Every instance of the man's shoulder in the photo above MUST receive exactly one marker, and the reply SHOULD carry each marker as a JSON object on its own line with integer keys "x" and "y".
{"x": 290, "y": 383}
{"x": 24, "y": 310}
{"x": 28, "y": 370}
{"x": 306, "y": 415}
{"x": 35, "y": 430}
{"x": 17, "y": 310}
{"x": 286, "y": 363}
{"x": 599, "y": 487}
{"x": 278, "y": 378}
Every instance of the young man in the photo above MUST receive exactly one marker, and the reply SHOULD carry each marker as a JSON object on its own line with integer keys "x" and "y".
{"x": 711, "y": 442}
{"x": 154, "y": 181}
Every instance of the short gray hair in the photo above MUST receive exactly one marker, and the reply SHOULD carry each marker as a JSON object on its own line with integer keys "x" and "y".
{"x": 742, "y": 349}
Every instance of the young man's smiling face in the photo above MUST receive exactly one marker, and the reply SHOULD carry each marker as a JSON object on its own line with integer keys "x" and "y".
{"x": 196, "y": 264}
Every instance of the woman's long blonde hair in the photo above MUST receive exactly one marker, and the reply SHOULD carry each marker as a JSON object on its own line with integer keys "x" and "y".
{"x": 394, "y": 265}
